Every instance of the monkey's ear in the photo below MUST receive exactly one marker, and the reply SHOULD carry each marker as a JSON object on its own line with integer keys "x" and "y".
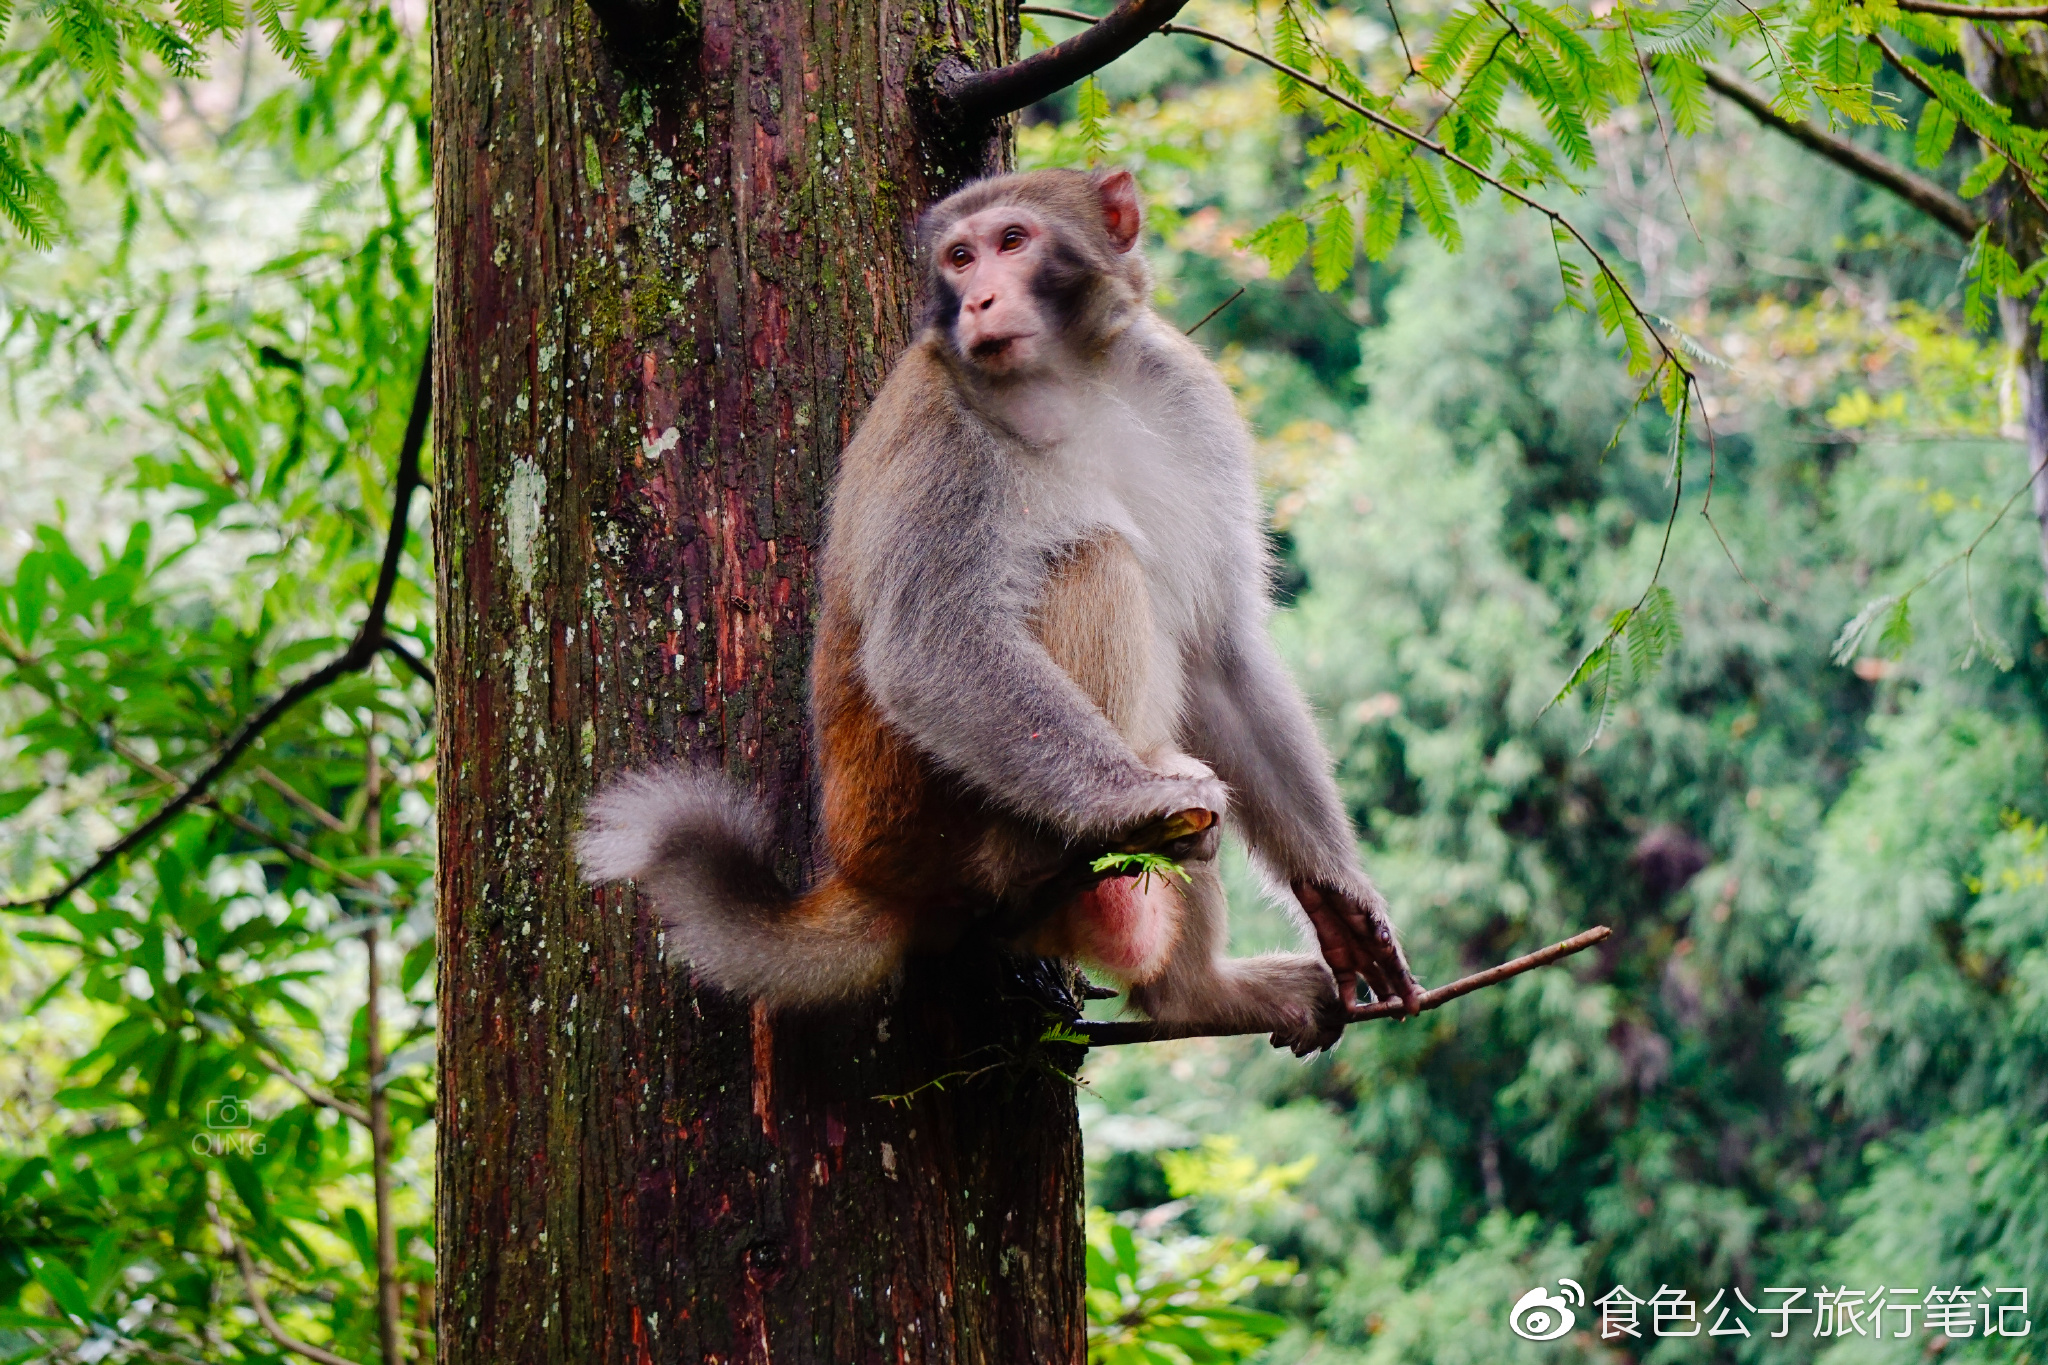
{"x": 1120, "y": 216}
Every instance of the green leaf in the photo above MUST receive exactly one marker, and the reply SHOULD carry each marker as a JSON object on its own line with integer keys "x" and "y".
{"x": 1433, "y": 202}
{"x": 1937, "y": 131}
{"x": 1653, "y": 631}
{"x": 1283, "y": 242}
{"x": 1597, "y": 659}
{"x": 1849, "y": 643}
{"x": 1384, "y": 204}
{"x": 1896, "y": 635}
{"x": 1617, "y": 313}
{"x": 249, "y": 1185}
{"x": 1983, "y": 175}
{"x": 1685, "y": 90}
{"x": 1091, "y": 113}
{"x": 61, "y": 1285}
{"x": 106, "y": 1261}
{"x": 360, "y": 1236}
{"x": 419, "y": 960}
{"x": 1675, "y": 390}
{"x": 1336, "y": 246}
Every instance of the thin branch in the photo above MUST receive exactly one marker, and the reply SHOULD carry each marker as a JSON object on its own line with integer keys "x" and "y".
{"x": 1707, "y": 511}
{"x": 1399, "y": 33}
{"x": 418, "y": 666}
{"x": 312, "y": 1092}
{"x": 1964, "y": 555}
{"x": 1214, "y": 311}
{"x": 262, "y": 1307}
{"x": 1983, "y": 14}
{"x": 970, "y": 96}
{"x": 1921, "y": 83}
{"x": 369, "y": 639}
{"x": 134, "y": 757}
{"x": 1936, "y": 201}
{"x": 299, "y": 799}
{"x": 1663, "y": 133}
{"x": 373, "y": 1064}
{"x": 1112, "y": 1034}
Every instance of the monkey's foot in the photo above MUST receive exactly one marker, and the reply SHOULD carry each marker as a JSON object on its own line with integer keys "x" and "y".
{"x": 1292, "y": 996}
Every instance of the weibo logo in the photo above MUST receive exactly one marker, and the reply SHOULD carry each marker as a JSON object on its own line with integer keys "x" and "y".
{"x": 1541, "y": 1316}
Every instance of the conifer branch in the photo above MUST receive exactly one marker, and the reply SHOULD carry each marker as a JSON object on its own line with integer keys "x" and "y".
{"x": 1936, "y": 201}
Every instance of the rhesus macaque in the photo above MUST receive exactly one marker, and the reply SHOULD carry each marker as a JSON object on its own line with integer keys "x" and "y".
{"x": 1043, "y": 639}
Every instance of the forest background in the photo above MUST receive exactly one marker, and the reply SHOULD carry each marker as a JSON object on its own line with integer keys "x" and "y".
{"x": 1812, "y": 1054}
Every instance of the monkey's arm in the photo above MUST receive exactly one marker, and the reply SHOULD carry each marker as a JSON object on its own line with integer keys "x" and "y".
{"x": 1252, "y": 725}
{"x": 948, "y": 652}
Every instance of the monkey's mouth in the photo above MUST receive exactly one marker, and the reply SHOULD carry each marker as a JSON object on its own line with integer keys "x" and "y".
{"x": 993, "y": 348}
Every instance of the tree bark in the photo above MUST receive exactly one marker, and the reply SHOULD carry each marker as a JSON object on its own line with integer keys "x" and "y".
{"x": 673, "y": 267}
{"x": 2019, "y": 80}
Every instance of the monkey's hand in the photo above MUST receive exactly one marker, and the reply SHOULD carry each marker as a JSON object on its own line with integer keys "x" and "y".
{"x": 1189, "y": 824}
{"x": 1186, "y": 836}
{"x": 1359, "y": 944}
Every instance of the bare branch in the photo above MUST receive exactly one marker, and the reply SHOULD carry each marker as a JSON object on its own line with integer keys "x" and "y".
{"x": 369, "y": 639}
{"x": 297, "y": 798}
{"x": 1983, "y": 14}
{"x": 419, "y": 667}
{"x": 970, "y": 96}
{"x": 388, "y": 1334}
{"x": 262, "y": 1306}
{"x": 1111, "y": 1034}
{"x": 1214, "y": 311}
{"x": 1934, "y": 200}
{"x": 311, "y": 1092}
{"x": 132, "y": 755}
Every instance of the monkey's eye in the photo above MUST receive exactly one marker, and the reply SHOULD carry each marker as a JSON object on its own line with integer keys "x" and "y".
{"x": 959, "y": 256}
{"x": 1013, "y": 237}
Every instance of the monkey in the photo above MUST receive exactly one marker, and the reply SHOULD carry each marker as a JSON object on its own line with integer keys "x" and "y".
{"x": 1042, "y": 641}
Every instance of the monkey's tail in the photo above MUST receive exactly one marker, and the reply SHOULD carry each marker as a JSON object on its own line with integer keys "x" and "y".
{"x": 700, "y": 851}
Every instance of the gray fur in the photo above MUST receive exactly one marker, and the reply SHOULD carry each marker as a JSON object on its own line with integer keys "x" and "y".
{"x": 701, "y": 852}
{"x": 1292, "y": 995}
{"x": 959, "y": 492}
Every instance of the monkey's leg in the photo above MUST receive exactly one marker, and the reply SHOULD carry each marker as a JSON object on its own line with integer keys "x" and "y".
{"x": 1290, "y": 995}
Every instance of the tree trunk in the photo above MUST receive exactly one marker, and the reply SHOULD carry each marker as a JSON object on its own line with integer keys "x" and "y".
{"x": 666, "y": 292}
{"x": 2019, "y": 80}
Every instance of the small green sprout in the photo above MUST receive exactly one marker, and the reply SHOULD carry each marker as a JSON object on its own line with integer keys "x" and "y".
{"x": 1143, "y": 866}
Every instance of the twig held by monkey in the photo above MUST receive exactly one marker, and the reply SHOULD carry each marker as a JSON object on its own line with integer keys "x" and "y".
{"x": 1043, "y": 641}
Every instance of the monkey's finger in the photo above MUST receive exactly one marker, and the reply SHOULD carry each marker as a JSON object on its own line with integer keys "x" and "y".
{"x": 1385, "y": 972}
{"x": 1398, "y": 984}
{"x": 1336, "y": 939}
{"x": 1387, "y": 955}
{"x": 1353, "y": 924}
{"x": 1182, "y": 824}
{"x": 1195, "y": 848}
{"x": 1385, "y": 969}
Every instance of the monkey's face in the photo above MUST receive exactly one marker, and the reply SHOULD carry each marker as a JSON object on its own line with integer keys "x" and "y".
{"x": 990, "y": 264}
